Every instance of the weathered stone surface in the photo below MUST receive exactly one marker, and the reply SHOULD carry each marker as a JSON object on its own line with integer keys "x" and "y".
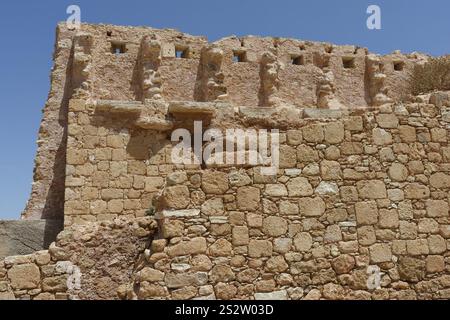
{"x": 240, "y": 236}
{"x": 398, "y": 172}
{"x": 334, "y": 132}
{"x": 214, "y": 182}
{"x": 303, "y": 241}
{"x": 151, "y": 275}
{"x": 366, "y": 212}
{"x": 213, "y": 207}
{"x": 276, "y": 190}
{"x": 435, "y": 264}
{"x": 55, "y": 284}
{"x": 371, "y": 189}
{"x": 440, "y": 180}
{"x": 221, "y": 248}
{"x": 380, "y": 252}
{"x": 343, "y": 264}
{"x": 354, "y": 188}
{"x": 330, "y": 170}
{"x": 248, "y": 198}
{"x": 381, "y": 137}
{"x": 437, "y": 208}
{"x": 411, "y": 269}
{"x": 177, "y": 197}
{"x": 275, "y": 226}
{"x": 416, "y": 191}
{"x": 24, "y": 276}
{"x": 387, "y": 121}
{"x": 276, "y": 295}
{"x": 194, "y": 246}
{"x": 299, "y": 187}
{"x": 26, "y": 237}
{"x": 276, "y": 264}
{"x": 311, "y": 207}
{"x": 260, "y": 248}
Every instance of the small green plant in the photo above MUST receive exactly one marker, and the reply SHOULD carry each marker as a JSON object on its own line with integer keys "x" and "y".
{"x": 434, "y": 75}
{"x": 150, "y": 212}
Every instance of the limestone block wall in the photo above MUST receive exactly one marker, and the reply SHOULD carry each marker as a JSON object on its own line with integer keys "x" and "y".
{"x": 105, "y": 62}
{"x": 355, "y": 190}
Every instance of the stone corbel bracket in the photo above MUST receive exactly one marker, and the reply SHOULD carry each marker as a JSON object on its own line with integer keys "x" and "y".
{"x": 148, "y": 116}
{"x": 119, "y": 107}
{"x": 192, "y": 108}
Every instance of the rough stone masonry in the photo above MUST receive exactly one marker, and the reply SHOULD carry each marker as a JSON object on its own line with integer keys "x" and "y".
{"x": 363, "y": 182}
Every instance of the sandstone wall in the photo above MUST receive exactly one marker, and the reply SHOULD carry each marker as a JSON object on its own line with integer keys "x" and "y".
{"x": 108, "y": 64}
{"x": 355, "y": 189}
{"x": 363, "y": 182}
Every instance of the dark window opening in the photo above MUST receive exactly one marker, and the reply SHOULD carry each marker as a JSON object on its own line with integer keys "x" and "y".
{"x": 239, "y": 56}
{"x": 302, "y": 47}
{"x": 329, "y": 49}
{"x": 298, "y": 60}
{"x": 242, "y": 43}
{"x": 348, "y": 63}
{"x": 109, "y": 33}
{"x": 118, "y": 48}
{"x": 398, "y": 66}
{"x": 182, "y": 53}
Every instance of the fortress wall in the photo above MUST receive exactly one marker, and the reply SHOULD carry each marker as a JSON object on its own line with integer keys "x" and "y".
{"x": 47, "y": 194}
{"x": 360, "y": 187}
{"x": 116, "y": 77}
{"x": 366, "y": 189}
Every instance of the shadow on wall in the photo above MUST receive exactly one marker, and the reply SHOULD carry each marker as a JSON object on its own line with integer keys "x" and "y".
{"x": 27, "y": 236}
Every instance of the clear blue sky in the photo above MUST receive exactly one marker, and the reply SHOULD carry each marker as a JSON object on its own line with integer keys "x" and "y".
{"x": 27, "y": 37}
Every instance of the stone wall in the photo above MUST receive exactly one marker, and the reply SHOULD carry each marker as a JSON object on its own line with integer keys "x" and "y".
{"x": 363, "y": 182}
{"x": 355, "y": 189}
{"x": 86, "y": 262}
{"x": 108, "y": 62}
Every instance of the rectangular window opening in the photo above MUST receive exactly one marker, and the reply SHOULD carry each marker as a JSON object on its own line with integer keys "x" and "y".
{"x": 348, "y": 62}
{"x": 182, "y": 52}
{"x": 239, "y": 56}
{"x": 118, "y": 48}
{"x": 399, "y": 65}
{"x": 298, "y": 60}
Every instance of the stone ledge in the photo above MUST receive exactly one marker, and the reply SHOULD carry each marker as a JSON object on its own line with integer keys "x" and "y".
{"x": 188, "y": 213}
{"x": 192, "y": 107}
{"x": 323, "y": 113}
{"x": 154, "y": 123}
{"x": 116, "y": 106}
